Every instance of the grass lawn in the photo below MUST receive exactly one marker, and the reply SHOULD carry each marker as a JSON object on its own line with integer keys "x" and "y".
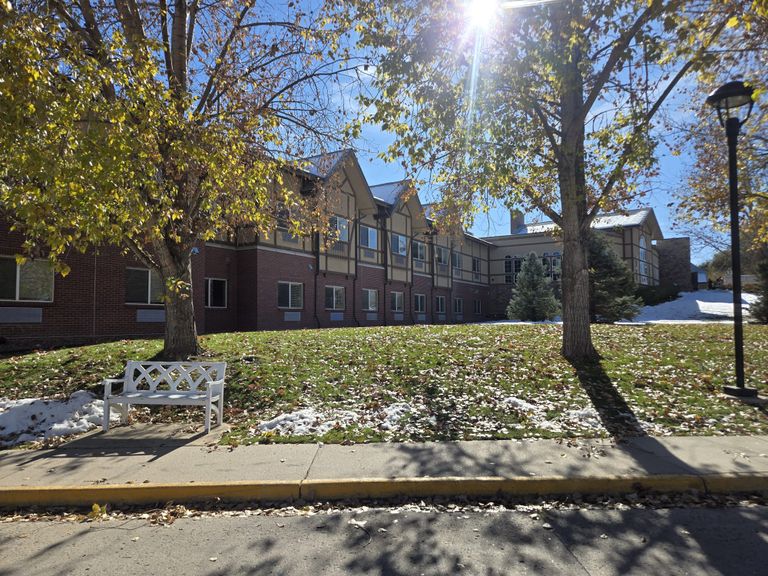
{"x": 442, "y": 382}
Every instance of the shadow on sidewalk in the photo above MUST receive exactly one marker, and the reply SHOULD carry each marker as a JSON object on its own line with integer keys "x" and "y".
{"x": 121, "y": 442}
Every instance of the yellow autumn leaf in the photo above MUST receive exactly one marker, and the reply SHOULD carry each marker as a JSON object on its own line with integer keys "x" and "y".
{"x": 733, "y": 21}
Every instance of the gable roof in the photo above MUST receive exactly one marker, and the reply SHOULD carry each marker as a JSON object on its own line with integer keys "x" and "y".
{"x": 323, "y": 165}
{"x": 390, "y": 193}
{"x": 636, "y": 217}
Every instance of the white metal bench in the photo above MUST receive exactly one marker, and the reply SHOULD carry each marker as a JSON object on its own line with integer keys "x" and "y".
{"x": 174, "y": 383}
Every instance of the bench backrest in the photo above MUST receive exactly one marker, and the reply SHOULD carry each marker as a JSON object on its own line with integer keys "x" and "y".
{"x": 172, "y": 376}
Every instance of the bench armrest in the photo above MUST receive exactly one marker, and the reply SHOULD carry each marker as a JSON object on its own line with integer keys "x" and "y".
{"x": 108, "y": 385}
{"x": 215, "y": 387}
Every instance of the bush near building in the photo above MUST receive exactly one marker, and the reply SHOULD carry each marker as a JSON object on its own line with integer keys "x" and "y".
{"x": 533, "y": 299}
{"x": 611, "y": 285}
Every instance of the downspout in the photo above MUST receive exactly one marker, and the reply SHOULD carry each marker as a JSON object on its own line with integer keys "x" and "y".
{"x": 432, "y": 268}
{"x": 95, "y": 261}
{"x": 355, "y": 225}
{"x": 256, "y": 309}
{"x": 410, "y": 287}
{"x": 449, "y": 304}
{"x": 385, "y": 258}
{"x": 316, "y": 242}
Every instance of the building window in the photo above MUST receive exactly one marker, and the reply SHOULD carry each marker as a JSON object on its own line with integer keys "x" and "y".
{"x": 143, "y": 286}
{"x": 396, "y": 299}
{"x": 334, "y": 298}
{"x": 368, "y": 237}
{"x": 478, "y": 307}
{"x": 419, "y": 250}
{"x": 456, "y": 261}
{"x": 508, "y": 273}
{"x": 518, "y": 266}
{"x": 643, "y": 261}
{"x": 370, "y": 300}
{"x": 476, "y": 268}
{"x": 340, "y": 226}
{"x": 290, "y": 295}
{"x": 282, "y": 216}
{"x": 28, "y": 282}
{"x": 441, "y": 255}
{"x": 215, "y": 293}
{"x": 556, "y": 266}
{"x": 458, "y": 305}
{"x": 399, "y": 244}
{"x": 419, "y": 303}
{"x": 440, "y": 304}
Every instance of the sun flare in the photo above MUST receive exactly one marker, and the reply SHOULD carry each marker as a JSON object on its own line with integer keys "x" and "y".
{"x": 481, "y": 13}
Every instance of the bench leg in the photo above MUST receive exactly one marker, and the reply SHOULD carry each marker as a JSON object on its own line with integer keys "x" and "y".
{"x": 208, "y": 417}
{"x": 105, "y": 423}
{"x": 124, "y": 413}
{"x": 221, "y": 408}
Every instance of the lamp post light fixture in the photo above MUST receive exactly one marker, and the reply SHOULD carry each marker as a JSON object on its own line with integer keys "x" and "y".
{"x": 728, "y": 100}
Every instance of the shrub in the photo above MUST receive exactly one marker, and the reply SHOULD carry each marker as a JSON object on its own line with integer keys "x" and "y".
{"x": 653, "y": 295}
{"x": 759, "y": 310}
{"x": 532, "y": 298}
{"x": 611, "y": 284}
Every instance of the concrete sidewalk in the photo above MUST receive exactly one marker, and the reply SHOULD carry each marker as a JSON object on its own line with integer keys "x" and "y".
{"x": 142, "y": 464}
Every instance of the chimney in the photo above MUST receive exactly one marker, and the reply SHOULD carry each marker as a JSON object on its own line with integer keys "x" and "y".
{"x": 517, "y": 221}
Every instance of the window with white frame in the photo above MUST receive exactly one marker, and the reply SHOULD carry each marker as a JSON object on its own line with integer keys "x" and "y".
{"x": 419, "y": 303}
{"x": 370, "y": 300}
{"x": 28, "y": 282}
{"x": 458, "y": 305}
{"x": 440, "y": 304}
{"x": 396, "y": 301}
{"x": 476, "y": 268}
{"x": 509, "y": 277}
{"x": 478, "y": 307}
{"x": 143, "y": 286}
{"x": 441, "y": 254}
{"x": 369, "y": 237}
{"x": 215, "y": 293}
{"x": 340, "y": 226}
{"x": 419, "y": 250}
{"x": 334, "y": 298}
{"x": 457, "y": 261}
{"x": 290, "y": 295}
{"x": 644, "y": 268}
{"x": 399, "y": 244}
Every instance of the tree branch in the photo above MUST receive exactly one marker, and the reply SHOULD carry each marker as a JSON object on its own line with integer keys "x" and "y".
{"x": 220, "y": 59}
{"x": 640, "y": 127}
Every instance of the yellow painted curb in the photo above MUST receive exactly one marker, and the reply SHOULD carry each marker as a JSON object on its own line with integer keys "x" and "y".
{"x": 736, "y": 482}
{"x": 265, "y": 491}
{"x": 382, "y": 488}
{"x": 373, "y": 488}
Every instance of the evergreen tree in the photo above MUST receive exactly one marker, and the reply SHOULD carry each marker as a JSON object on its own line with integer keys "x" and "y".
{"x": 759, "y": 310}
{"x": 611, "y": 284}
{"x": 532, "y": 298}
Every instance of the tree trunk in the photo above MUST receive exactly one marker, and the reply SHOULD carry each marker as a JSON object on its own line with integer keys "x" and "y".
{"x": 180, "y": 330}
{"x": 577, "y": 335}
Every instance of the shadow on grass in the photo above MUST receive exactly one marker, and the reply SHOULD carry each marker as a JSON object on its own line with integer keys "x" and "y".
{"x": 615, "y": 414}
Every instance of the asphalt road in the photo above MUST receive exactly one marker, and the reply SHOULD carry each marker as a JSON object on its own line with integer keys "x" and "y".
{"x": 697, "y": 541}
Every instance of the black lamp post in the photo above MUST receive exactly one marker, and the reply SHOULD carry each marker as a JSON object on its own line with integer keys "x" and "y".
{"x": 728, "y": 100}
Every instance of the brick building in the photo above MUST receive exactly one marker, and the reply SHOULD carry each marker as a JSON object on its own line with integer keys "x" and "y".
{"x": 386, "y": 264}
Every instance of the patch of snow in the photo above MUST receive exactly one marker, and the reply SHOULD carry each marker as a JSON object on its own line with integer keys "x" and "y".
{"x": 31, "y": 419}
{"x": 308, "y": 421}
{"x": 394, "y": 413}
{"x": 700, "y": 306}
{"x": 520, "y": 404}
